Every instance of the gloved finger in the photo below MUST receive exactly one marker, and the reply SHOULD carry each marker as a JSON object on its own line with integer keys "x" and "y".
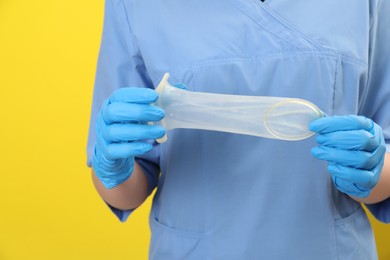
{"x": 134, "y": 95}
{"x": 115, "y": 151}
{"x": 131, "y": 132}
{"x": 119, "y": 166}
{"x": 104, "y": 137}
{"x": 126, "y": 150}
{"x": 340, "y": 123}
{"x": 363, "y": 178}
{"x": 349, "y": 140}
{"x": 127, "y": 112}
{"x": 350, "y": 188}
{"x": 112, "y": 180}
{"x": 352, "y": 158}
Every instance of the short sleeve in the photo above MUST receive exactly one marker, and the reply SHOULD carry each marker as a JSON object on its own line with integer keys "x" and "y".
{"x": 120, "y": 65}
{"x": 376, "y": 102}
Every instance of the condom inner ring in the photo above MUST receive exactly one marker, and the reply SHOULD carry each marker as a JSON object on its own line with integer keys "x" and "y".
{"x": 289, "y": 120}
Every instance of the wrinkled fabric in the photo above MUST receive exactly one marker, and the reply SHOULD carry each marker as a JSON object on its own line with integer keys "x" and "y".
{"x": 230, "y": 196}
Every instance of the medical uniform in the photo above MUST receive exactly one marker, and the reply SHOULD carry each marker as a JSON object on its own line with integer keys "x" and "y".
{"x": 230, "y": 196}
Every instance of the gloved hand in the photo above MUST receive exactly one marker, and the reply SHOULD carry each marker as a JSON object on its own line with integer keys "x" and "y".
{"x": 354, "y": 147}
{"x": 122, "y": 131}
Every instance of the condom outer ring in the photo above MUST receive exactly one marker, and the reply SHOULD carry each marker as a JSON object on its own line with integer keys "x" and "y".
{"x": 317, "y": 113}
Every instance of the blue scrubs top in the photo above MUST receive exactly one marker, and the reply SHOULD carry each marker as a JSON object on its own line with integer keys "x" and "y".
{"x": 229, "y": 196}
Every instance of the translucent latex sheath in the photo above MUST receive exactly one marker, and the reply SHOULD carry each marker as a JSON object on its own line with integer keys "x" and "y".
{"x": 262, "y": 116}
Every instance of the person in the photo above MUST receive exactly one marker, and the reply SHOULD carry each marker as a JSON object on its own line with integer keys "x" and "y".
{"x": 231, "y": 196}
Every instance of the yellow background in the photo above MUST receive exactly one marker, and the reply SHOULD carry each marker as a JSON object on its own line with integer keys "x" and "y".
{"x": 49, "y": 208}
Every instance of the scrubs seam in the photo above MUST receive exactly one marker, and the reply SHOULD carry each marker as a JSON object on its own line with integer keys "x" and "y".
{"x": 207, "y": 209}
{"x": 129, "y": 27}
{"x": 308, "y": 38}
{"x": 281, "y": 55}
{"x": 122, "y": 36}
{"x": 202, "y": 171}
{"x": 285, "y": 23}
{"x": 266, "y": 2}
{"x": 182, "y": 233}
{"x": 137, "y": 52}
{"x": 368, "y": 79}
{"x": 329, "y": 188}
{"x": 358, "y": 213}
{"x": 155, "y": 207}
{"x": 335, "y": 237}
{"x": 334, "y": 84}
{"x": 266, "y": 28}
{"x": 376, "y": 17}
{"x": 353, "y": 60}
{"x": 282, "y": 22}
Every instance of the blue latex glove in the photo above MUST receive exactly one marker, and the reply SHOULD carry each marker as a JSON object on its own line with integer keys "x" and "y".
{"x": 355, "y": 149}
{"x": 122, "y": 131}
